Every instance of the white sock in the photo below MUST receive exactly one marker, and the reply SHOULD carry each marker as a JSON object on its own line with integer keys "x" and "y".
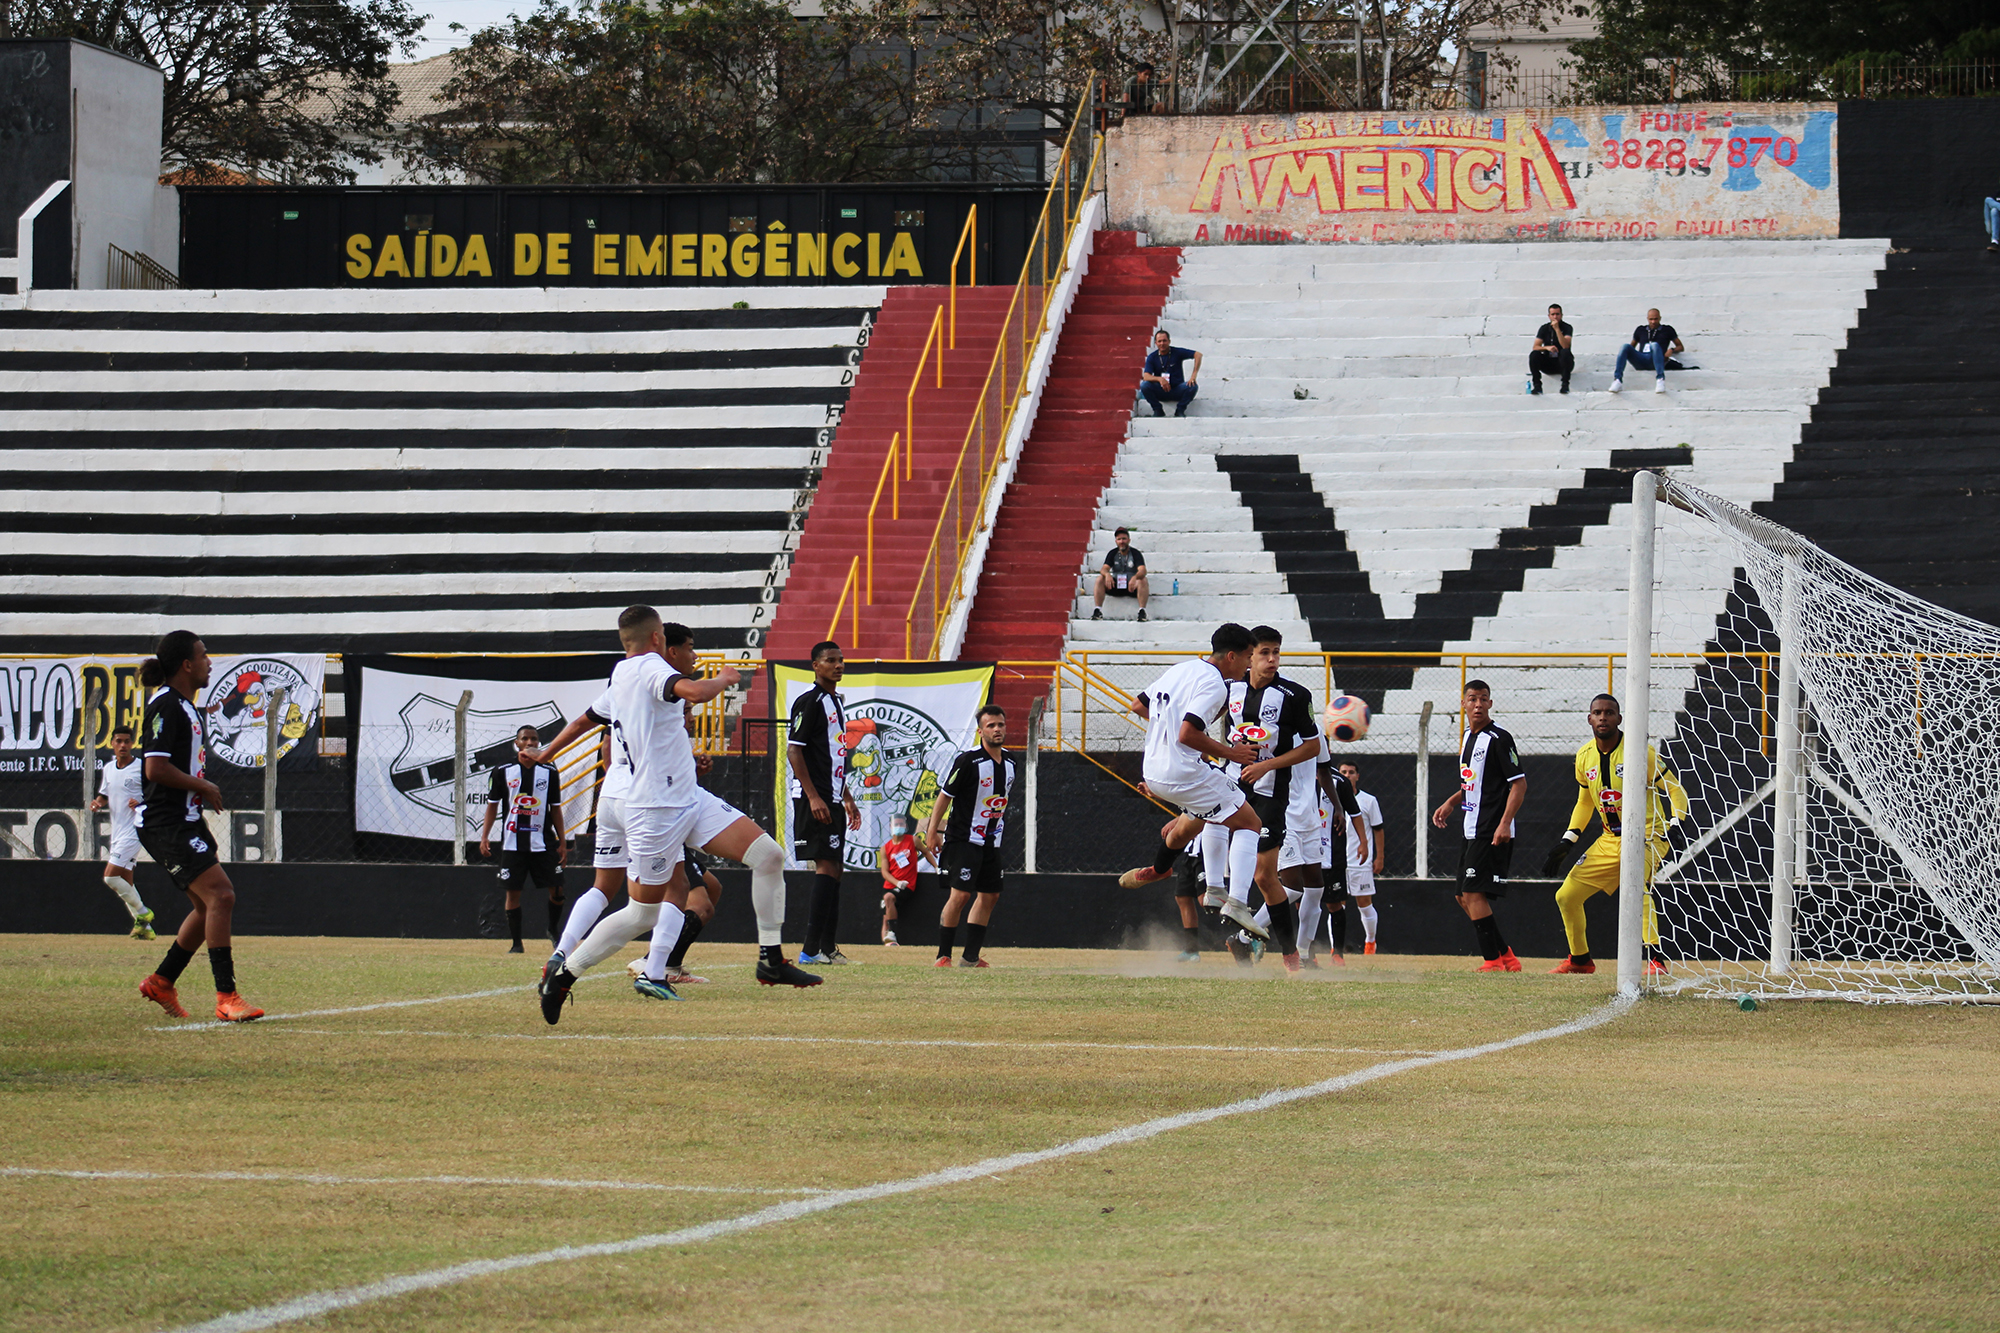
{"x": 1309, "y": 912}
{"x": 767, "y": 888}
{"x": 613, "y": 933}
{"x": 1263, "y": 917}
{"x": 126, "y": 894}
{"x": 1242, "y": 863}
{"x": 666, "y": 934}
{"x": 1215, "y": 856}
{"x": 590, "y": 905}
{"x": 1368, "y": 919}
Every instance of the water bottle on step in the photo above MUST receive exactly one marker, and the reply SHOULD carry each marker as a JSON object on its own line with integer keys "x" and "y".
{"x": 1177, "y": 587}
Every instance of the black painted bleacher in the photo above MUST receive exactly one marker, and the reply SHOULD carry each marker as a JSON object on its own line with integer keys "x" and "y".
{"x": 385, "y": 473}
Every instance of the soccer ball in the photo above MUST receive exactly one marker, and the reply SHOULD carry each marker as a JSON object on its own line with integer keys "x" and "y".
{"x": 1346, "y": 718}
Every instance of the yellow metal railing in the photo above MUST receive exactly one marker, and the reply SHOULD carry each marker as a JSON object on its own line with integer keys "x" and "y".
{"x": 935, "y": 338}
{"x": 968, "y": 234}
{"x": 894, "y": 478}
{"x": 960, "y": 513}
{"x": 851, "y": 588}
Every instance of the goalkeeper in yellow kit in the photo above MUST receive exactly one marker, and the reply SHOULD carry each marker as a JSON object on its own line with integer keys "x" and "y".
{"x": 1600, "y": 789}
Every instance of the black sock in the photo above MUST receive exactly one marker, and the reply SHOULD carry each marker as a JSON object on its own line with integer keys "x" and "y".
{"x": 1489, "y": 937}
{"x": 174, "y": 963}
{"x": 223, "y": 964}
{"x": 770, "y": 953}
{"x": 946, "y": 935}
{"x": 1581, "y": 960}
{"x": 820, "y": 923}
{"x": 514, "y": 923}
{"x": 1336, "y": 926}
{"x": 555, "y": 919}
{"x": 690, "y": 931}
{"x": 1284, "y": 926}
{"x": 975, "y": 938}
{"x": 829, "y": 935}
{"x": 1163, "y": 860}
{"x": 1193, "y": 938}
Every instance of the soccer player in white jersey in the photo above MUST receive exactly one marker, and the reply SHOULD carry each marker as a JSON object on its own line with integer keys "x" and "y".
{"x": 1364, "y": 857}
{"x": 666, "y": 810}
{"x": 121, "y": 791}
{"x": 1179, "y": 707}
{"x": 669, "y": 811}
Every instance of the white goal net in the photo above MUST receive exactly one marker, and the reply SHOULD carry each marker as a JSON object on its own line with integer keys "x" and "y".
{"x": 1839, "y": 740}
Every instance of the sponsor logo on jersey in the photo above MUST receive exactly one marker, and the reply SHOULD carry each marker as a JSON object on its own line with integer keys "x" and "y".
{"x": 1253, "y": 734}
{"x": 994, "y": 806}
{"x": 1467, "y": 775}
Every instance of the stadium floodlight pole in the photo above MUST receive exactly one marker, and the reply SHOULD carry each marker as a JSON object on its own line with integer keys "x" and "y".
{"x": 1638, "y": 720}
{"x": 274, "y": 709}
{"x": 458, "y": 776}
{"x": 1423, "y": 839}
{"x": 1785, "y": 799}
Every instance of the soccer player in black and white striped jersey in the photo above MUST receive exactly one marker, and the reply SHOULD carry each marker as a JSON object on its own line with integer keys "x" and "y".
{"x": 972, "y": 806}
{"x": 532, "y": 842}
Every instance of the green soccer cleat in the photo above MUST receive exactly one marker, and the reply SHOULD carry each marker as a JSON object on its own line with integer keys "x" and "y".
{"x": 654, "y": 990}
{"x": 142, "y": 926}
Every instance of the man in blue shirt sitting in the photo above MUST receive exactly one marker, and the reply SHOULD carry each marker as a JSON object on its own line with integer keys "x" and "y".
{"x": 1163, "y": 380}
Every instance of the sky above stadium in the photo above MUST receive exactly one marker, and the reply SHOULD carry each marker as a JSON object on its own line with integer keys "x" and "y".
{"x": 471, "y": 14}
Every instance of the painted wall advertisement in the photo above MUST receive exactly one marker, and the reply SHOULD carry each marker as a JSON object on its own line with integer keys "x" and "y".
{"x": 405, "y": 748}
{"x": 1585, "y": 173}
{"x": 42, "y": 702}
{"x": 906, "y": 723}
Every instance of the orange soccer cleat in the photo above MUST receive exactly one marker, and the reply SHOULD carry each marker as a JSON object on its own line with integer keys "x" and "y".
{"x": 1569, "y": 966}
{"x": 233, "y": 1008}
{"x": 1510, "y": 962}
{"x": 1140, "y": 876}
{"x": 1655, "y": 968}
{"x": 156, "y": 989}
{"x": 942, "y": 962}
{"x": 1493, "y": 965}
{"x": 1292, "y": 963}
{"x": 1369, "y": 947}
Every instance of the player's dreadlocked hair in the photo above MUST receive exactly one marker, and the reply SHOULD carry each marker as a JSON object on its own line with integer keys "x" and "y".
{"x": 174, "y": 650}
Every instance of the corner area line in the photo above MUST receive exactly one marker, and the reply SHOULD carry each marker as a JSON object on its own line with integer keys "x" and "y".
{"x": 343, "y": 1298}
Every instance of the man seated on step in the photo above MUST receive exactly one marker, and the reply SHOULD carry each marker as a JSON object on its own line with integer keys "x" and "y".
{"x": 1123, "y": 574}
{"x": 1551, "y": 352}
{"x": 1652, "y": 343}
{"x": 1162, "y": 380}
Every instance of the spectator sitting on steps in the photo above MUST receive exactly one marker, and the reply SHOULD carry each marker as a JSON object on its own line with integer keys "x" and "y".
{"x": 1993, "y": 224}
{"x": 1162, "y": 378}
{"x": 1123, "y": 574}
{"x": 1652, "y": 343}
{"x": 1551, "y": 351}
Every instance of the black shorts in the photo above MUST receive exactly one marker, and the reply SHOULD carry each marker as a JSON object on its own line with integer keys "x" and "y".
{"x": 697, "y": 873}
{"x": 185, "y": 850}
{"x": 1482, "y": 867}
{"x": 537, "y": 868}
{"x": 970, "y": 868}
{"x": 1271, "y": 817}
{"x": 1113, "y": 590}
{"x": 905, "y": 898}
{"x": 814, "y": 841}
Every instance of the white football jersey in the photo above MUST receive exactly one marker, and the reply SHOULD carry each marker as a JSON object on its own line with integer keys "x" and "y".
{"x": 1193, "y": 690}
{"x": 1359, "y": 853}
{"x": 649, "y": 723}
{"x": 617, "y": 784}
{"x": 119, "y": 787}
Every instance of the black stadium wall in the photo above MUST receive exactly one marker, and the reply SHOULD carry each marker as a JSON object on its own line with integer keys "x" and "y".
{"x": 474, "y": 237}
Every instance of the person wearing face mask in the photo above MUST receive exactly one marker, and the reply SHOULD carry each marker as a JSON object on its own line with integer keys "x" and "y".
{"x": 898, "y": 860}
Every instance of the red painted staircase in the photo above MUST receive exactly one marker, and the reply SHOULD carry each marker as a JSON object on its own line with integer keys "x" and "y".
{"x": 836, "y": 526}
{"x": 1029, "y": 582}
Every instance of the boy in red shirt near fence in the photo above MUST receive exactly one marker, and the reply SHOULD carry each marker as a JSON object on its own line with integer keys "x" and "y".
{"x": 898, "y": 863}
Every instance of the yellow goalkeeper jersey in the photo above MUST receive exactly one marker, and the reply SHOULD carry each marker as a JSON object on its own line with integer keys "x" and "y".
{"x": 1600, "y": 783}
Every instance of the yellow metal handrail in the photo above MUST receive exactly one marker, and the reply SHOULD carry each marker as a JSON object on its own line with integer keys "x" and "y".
{"x": 894, "y": 478}
{"x": 852, "y": 585}
{"x": 1000, "y": 395}
{"x": 969, "y": 230}
{"x": 936, "y": 335}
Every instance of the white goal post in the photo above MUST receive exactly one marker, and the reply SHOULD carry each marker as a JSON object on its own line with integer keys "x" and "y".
{"x": 1838, "y": 741}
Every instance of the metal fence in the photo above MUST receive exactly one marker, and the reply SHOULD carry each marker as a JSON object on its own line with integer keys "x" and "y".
{"x": 1669, "y": 82}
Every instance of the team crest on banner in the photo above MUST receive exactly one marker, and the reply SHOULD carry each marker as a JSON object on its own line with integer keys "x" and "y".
{"x": 906, "y": 723}
{"x": 422, "y": 770}
{"x": 238, "y": 704}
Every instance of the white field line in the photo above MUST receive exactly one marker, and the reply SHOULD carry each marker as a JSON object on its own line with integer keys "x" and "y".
{"x": 296, "y": 1178}
{"x": 322, "y": 1303}
{"x": 947, "y": 1042}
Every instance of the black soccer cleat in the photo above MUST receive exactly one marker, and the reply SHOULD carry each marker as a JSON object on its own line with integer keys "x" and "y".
{"x": 555, "y": 991}
{"x": 781, "y": 973}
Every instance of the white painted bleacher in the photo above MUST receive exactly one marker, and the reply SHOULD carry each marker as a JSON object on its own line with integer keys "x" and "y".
{"x": 1396, "y": 375}
{"x": 419, "y": 470}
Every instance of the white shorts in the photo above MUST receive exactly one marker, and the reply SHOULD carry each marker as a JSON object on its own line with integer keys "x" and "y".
{"x": 124, "y": 850}
{"x": 1303, "y": 847}
{"x": 1360, "y": 880}
{"x": 1213, "y": 796}
{"x": 712, "y": 816}
{"x": 656, "y": 839}
{"x": 610, "y": 853}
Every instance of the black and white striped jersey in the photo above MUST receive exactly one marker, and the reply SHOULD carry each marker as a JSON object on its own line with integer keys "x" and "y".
{"x": 980, "y": 787}
{"x": 1277, "y": 719}
{"x": 173, "y": 733}
{"x": 819, "y": 724}
{"x": 526, "y": 797}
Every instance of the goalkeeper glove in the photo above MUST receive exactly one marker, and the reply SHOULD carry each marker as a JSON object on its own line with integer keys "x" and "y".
{"x": 1553, "y": 864}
